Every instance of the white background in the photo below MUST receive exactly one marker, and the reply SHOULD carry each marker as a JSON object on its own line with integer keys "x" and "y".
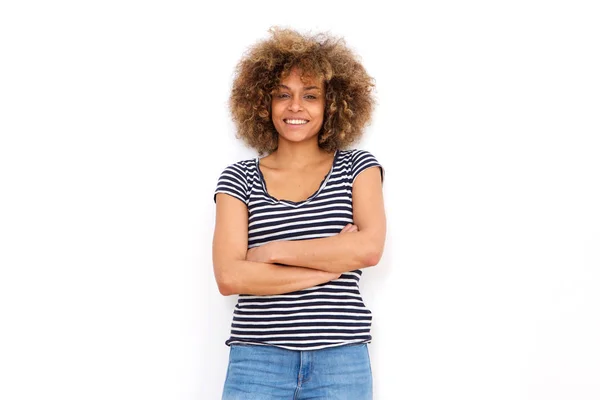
{"x": 114, "y": 128}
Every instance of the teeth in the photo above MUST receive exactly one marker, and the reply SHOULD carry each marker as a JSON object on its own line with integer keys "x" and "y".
{"x": 296, "y": 121}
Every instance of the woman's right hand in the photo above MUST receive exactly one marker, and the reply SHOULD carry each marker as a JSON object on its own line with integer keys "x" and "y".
{"x": 349, "y": 228}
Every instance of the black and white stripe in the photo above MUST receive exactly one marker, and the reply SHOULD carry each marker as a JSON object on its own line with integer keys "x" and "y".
{"x": 326, "y": 315}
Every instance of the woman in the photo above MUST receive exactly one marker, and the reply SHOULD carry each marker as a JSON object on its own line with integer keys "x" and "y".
{"x": 295, "y": 227}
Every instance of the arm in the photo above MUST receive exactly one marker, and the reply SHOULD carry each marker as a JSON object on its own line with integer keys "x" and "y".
{"x": 341, "y": 253}
{"x": 235, "y": 275}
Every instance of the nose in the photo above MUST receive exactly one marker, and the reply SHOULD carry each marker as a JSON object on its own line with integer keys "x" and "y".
{"x": 295, "y": 104}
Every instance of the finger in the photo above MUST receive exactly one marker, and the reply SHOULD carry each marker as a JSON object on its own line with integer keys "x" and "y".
{"x": 346, "y": 228}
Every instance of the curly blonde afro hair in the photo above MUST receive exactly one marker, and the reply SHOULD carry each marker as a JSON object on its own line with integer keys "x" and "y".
{"x": 348, "y": 88}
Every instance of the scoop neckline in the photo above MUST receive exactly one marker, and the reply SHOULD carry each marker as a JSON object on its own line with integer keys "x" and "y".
{"x": 291, "y": 202}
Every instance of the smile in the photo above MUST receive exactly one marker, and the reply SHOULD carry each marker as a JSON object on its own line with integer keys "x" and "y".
{"x": 295, "y": 121}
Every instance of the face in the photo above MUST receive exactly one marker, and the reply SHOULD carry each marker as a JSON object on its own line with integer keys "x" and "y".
{"x": 297, "y": 108}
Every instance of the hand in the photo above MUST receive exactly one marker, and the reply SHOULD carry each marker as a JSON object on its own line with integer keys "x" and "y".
{"x": 349, "y": 228}
{"x": 259, "y": 254}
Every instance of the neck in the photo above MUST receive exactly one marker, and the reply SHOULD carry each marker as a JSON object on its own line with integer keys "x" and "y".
{"x": 296, "y": 155}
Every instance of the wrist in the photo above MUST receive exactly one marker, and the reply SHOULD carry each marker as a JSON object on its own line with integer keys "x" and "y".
{"x": 272, "y": 249}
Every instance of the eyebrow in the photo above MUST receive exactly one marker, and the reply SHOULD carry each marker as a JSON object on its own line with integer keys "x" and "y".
{"x": 305, "y": 87}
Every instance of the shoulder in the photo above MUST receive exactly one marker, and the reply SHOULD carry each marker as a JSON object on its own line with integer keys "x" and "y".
{"x": 357, "y": 157}
{"x": 234, "y": 179}
{"x": 240, "y": 169}
{"x": 360, "y": 160}
{"x": 355, "y": 154}
{"x": 242, "y": 164}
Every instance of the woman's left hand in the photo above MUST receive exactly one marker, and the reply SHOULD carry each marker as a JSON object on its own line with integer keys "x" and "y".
{"x": 259, "y": 254}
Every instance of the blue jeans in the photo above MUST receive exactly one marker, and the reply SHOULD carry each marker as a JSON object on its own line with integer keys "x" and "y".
{"x": 269, "y": 373}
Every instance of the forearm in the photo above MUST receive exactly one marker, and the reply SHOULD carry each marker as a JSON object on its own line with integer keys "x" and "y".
{"x": 338, "y": 253}
{"x": 247, "y": 277}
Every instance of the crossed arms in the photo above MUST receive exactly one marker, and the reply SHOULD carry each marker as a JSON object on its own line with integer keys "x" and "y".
{"x": 306, "y": 262}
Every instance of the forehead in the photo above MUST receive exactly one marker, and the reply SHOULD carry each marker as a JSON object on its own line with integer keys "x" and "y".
{"x": 297, "y": 77}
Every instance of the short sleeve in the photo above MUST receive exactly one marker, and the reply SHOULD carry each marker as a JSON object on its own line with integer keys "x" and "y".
{"x": 233, "y": 182}
{"x": 361, "y": 160}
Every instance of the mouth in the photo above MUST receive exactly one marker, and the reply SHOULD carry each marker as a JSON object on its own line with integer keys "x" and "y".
{"x": 296, "y": 121}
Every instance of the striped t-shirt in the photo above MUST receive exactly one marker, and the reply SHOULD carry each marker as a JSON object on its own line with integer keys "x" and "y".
{"x": 326, "y": 315}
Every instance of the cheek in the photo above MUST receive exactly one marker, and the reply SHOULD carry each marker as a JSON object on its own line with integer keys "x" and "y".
{"x": 321, "y": 114}
{"x": 322, "y": 109}
{"x": 275, "y": 112}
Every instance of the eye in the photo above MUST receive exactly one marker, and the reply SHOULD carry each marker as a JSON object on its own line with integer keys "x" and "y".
{"x": 282, "y": 95}
{"x": 310, "y": 97}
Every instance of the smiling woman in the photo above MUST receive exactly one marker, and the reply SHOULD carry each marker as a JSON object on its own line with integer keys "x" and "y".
{"x": 295, "y": 228}
{"x": 297, "y": 107}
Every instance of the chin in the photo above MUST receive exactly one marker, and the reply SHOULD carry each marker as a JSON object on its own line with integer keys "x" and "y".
{"x": 296, "y": 138}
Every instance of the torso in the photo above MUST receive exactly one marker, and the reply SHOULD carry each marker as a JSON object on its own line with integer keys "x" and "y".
{"x": 326, "y": 315}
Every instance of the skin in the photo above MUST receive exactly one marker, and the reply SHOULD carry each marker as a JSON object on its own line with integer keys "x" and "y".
{"x": 292, "y": 172}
